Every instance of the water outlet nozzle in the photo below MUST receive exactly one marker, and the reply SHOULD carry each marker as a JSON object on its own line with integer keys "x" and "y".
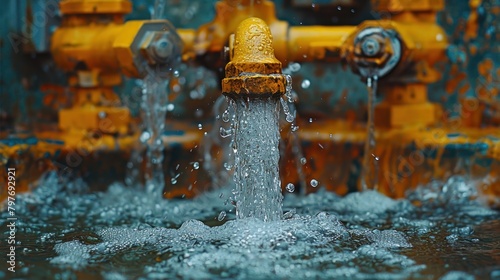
{"x": 254, "y": 71}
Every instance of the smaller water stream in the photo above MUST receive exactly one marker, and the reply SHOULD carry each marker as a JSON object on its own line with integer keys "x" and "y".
{"x": 369, "y": 173}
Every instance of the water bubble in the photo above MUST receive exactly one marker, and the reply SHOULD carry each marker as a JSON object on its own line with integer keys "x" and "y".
{"x": 221, "y": 216}
{"x": 305, "y": 84}
{"x": 290, "y": 187}
{"x": 295, "y": 127}
{"x": 170, "y": 107}
{"x": 200, "y": 127}
{"x": 314, "y": 183}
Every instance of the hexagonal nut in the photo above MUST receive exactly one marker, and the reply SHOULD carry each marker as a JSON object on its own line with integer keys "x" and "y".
{"x": 163, "y": 47}
{"x": 141, "y": 43}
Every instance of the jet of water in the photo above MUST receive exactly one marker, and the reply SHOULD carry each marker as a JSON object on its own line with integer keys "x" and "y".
{"x": 369, "y": 174}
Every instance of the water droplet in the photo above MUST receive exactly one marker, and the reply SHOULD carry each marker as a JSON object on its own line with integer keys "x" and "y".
{"x": 290, "y": 187}
{"x": 224, "y": 132}
{"x": 289, "y": 214}
{"x": 303, "y": 161}
{"x": 310, "y": 120}
{"x": 170, "y": 107}
{"x": 227, "y": 166}
{"x": 222, "y": 215}
{"x": 305, "y": 84}
{"x": 225, "y": 116}
{"x": 145, "y": 136}
{"x": 294, "y": 67}
{"x": 196, "y": 165}
{"x": 314, "y": 183}
{"x": 200, "y": 127}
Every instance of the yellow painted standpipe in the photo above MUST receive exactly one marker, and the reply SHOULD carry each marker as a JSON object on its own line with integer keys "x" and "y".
{"x": 254, "y": 71}
{"x": 255, "y": 82}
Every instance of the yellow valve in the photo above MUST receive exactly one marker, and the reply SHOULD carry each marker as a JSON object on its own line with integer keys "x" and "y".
{"x": 253, "y": 71}
{"x": 95, "y": 46}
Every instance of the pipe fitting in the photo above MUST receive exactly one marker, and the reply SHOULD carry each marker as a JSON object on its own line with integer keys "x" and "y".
{"x": 373, "y": 51}
{"x": 253, "y": 70}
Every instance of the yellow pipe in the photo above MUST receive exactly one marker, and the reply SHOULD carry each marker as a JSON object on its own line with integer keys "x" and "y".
{"x": 91, "y": 45}
{"x": 309, "y": 43}
{"x": 187, "y": 36}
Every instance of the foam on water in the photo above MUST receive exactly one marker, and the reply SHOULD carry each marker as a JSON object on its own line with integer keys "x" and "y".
{"x": 303, "y": 246}
{"x": 66, "y": 230}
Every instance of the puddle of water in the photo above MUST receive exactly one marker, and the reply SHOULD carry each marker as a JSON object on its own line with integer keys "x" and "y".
{"x": 67, "y": 231}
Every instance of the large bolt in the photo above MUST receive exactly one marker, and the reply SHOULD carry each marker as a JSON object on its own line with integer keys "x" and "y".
{"x": 370, "y": 46}
{"x": 162, "y": 49}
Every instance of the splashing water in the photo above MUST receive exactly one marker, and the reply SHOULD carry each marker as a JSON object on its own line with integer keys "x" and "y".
{"x": 369, "y": 174}
{"x": 256, "y": 152}
{"x": 288, "y": 105}
{"x": 154, "y": 107}
{"x": 65, "y": 231}
{"x": 159, "y": 8}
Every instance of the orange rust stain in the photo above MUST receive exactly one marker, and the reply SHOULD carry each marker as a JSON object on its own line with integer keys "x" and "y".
{"x": 453, "y": 83}
{"x": 464, "y": 89}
